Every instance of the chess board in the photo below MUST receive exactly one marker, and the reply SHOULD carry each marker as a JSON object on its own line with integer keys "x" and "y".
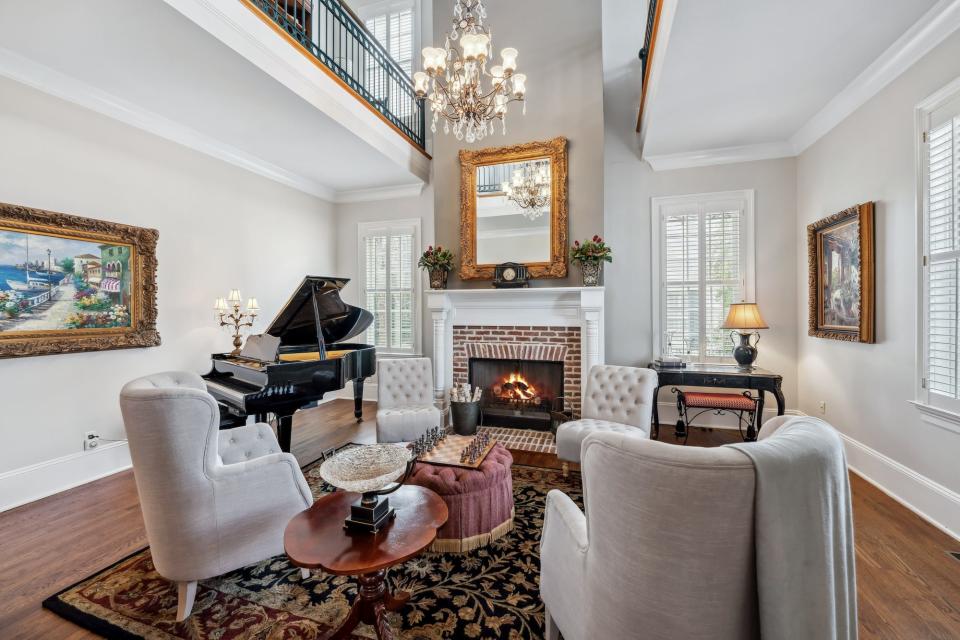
{"x": 448, "y": 452}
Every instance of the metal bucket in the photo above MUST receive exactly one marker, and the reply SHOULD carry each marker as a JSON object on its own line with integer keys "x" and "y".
{"x": 465, "y": 416}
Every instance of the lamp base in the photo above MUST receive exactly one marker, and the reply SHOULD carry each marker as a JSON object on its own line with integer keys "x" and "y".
{"x": 745, "y": 353}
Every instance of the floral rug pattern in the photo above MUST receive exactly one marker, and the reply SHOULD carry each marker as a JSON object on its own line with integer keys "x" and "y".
{"x": 491, "y": 592}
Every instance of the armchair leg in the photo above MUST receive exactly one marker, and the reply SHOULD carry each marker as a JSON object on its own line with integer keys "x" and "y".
{"x": 550, "y": 632}
{"x": 186, "y": 593}
{"x": 565, "y": 469}
{"x": 305, "y": 573}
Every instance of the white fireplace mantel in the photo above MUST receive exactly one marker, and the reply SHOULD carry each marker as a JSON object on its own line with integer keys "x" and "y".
{"x": 542, "y": 306}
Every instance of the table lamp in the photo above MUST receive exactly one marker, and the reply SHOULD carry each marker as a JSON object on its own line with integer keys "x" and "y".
{"x": 744, "y": 318}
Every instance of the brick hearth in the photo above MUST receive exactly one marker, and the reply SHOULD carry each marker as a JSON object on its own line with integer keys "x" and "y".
{"x": 539, "y": 342}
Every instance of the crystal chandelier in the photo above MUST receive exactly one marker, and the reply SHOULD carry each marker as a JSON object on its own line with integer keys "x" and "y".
{"x": 453, "y": 78}
{"x": 529, "y": 189}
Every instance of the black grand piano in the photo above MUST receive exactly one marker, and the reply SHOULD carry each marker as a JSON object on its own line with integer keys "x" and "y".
{"x": 312, "y": 359}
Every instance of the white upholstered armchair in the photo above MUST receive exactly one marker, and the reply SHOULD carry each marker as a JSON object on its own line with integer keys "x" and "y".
{"x": 213, "y": 501}
{"x": 618, "y": 399}
{"x": 405, "y": 407}
{"x": 725, "y": 543}
{"x": 665, "y": 545}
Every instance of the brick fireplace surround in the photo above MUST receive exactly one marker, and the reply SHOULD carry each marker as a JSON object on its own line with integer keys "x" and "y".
{"x": 521, "y": 342}
{"x": 543, "y": 323}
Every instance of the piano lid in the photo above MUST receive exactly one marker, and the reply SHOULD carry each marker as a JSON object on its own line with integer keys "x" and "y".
{"x": 296, "y": 323}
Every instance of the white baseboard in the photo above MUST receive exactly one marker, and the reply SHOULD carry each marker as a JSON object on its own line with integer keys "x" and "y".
{"x": 668, "y": 416}
{"x": 26, "y": 484}
{"x": 930, "y": 500}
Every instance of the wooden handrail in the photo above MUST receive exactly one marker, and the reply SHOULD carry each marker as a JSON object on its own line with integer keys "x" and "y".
{"x": 646, "y": 54}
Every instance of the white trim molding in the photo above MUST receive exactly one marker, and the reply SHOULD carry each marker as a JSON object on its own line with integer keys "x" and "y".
{"x": 723, "y": 155}
{"x": 668, "y": 9}
{"x": 938, "y": 417}
{"x": 379, "y": 193}
{"x": 36, "y": 481}
{"x": 930, "y": 500}
{"x": 941, "y": 20}
{"x": 938, "y": 23}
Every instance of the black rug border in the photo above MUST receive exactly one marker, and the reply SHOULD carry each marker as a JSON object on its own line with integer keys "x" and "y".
{"x": 110, "y": 631}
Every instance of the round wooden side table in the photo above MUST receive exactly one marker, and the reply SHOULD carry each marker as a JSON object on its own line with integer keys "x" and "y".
{"x": 317, "y": 539}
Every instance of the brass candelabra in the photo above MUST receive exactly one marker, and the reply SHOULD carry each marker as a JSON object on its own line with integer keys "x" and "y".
{"x": 229, "y": 314}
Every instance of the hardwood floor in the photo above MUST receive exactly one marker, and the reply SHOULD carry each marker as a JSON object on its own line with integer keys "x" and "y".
{"x": 909, "y": 587}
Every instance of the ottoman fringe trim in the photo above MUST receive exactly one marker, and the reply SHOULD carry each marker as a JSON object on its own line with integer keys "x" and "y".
{"x": 457, "y": 545}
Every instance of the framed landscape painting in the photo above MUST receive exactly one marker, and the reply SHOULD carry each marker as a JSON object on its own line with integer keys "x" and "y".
{"x": 74, "y": 284}
{"x": 841, "y": 275}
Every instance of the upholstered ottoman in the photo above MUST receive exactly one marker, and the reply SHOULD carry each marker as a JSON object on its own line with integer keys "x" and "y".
{"x": 480, "y": 501}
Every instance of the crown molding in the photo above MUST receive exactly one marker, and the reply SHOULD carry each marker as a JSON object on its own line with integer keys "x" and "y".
{"x": 721, "y": 155}
{"x": 57, "y": 84}
{"x": 929, "y": 31}
{"x": 379, "y": 193}
{"x": 923, "y": 36}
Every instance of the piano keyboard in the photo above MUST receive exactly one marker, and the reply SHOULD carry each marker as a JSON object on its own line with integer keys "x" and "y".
{"x": 231, "y": 394}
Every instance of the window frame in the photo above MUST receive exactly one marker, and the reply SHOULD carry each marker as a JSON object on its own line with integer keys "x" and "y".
{"x": 938, "y": 409}
{"x": 659, "y": 205}
{"x": 385, "y": 8}
{"x": 365, "y": 229}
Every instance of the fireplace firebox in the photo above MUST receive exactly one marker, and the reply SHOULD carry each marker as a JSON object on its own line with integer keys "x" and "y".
{"x": 517, "y": 393}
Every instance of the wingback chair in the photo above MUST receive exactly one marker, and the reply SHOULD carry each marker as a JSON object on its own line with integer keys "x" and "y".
{"x": 666, "y": 544}
{"x": 618, "y": 400}
{"x": 213, "y": 501}
{"x": 405, "y": 407}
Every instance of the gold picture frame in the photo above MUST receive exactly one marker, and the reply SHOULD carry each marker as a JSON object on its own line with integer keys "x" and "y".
{"x": 556, "y": 151}
{"x": 841, "y": 275}
{"x": 58, "y": 301}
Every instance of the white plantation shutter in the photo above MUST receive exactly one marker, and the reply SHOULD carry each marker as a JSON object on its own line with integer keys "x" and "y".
{"x": 941, "y": 195}
{"x": 705, "y": 263}
{"x": 394, "y": 30}
{"x": 388, "y": 270}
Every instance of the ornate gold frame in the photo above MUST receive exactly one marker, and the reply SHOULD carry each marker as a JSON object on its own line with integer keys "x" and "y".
{"x": 143, "y": 313}
{"x": 864, "y": 214}
{"x": 556, "y": 150}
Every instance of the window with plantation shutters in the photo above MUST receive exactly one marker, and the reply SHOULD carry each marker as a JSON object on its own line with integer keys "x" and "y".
{"x": 393, "y": 27}
{"x": 703, "y": 261}
{"x": 940, "y": 197}
{"x": 389, "y": 284}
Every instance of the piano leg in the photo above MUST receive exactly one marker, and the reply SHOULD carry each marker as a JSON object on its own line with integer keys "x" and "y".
{"x": 358, "y": 398}
{"x": 284, "y": 430}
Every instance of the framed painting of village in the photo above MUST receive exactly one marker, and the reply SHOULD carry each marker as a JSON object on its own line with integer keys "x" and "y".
{"x": 841, "y": 259}
{"x": 72, "y": 284}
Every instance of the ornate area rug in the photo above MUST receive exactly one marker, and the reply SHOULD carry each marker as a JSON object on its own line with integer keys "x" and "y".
{"x": 487, "y": 593}
{"x": 523, "y": 439}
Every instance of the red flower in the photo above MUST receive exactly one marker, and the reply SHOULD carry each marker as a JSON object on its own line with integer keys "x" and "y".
{"x": 596, "y": 238}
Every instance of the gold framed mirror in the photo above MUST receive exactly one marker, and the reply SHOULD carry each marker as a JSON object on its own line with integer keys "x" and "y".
{"x": 513, "y": 208}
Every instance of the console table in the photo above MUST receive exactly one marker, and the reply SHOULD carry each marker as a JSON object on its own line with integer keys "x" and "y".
{"x": 717, "y": 375}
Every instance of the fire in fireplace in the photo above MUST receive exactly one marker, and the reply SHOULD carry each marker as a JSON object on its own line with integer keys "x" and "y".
{"x": 518, "y": 393}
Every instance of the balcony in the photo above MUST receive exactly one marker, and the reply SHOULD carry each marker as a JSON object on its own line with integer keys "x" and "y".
{"x": 332, "y": 34}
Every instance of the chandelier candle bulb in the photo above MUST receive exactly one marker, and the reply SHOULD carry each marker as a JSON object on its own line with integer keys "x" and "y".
{"x": 509, "y": 57}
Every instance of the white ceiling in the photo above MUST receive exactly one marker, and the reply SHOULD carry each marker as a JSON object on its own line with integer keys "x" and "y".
{"x": 753, "y": 72}
{"x": 149, "y": 58}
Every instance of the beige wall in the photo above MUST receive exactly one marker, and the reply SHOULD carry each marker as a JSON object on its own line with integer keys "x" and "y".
{"x": 868, "y": 388}
{"x": 563, "y": 64}
{"x": 629, "y": 186}
{"x": 220, "y": 227}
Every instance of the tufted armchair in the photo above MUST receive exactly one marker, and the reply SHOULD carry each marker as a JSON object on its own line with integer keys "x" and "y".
{"x": 213, "y": 501}
{"x": 405, "y": 408}
{"x": 618, "y": 399}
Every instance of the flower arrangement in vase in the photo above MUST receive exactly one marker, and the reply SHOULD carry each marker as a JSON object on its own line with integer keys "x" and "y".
{"x": 590, "y": 256}
{"x": 439, "y": 263}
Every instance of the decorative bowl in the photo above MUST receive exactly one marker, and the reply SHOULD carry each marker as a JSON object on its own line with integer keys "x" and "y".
{"x": 366, "y": 468}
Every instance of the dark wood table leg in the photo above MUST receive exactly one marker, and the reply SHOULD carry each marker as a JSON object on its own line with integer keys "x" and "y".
{"x": 371, "y": 605}
{"x": 655, "y": 427}
{"x": 781, "y": 401}
{"x": 358, "y": 398}
{"x": 758, "y": 419}
{"x": 285, "y": 431}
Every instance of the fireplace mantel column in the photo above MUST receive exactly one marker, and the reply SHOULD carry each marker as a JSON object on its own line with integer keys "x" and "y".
{"x": 591, "y": 318}
{"x": 441, "y": 312}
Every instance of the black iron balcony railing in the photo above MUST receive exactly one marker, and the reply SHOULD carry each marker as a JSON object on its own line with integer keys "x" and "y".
{"x": 332, "y": 34}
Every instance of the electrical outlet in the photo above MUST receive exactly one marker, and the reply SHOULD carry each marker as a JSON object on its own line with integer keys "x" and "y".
{"x": 823, "y": 407}
{"x": 91, "y": 440}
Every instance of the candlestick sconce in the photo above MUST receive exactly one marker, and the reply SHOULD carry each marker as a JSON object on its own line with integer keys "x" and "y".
{"x": 229, "y": 315}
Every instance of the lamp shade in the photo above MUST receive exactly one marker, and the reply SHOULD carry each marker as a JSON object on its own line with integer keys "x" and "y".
{"x": 744, "y": 315}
